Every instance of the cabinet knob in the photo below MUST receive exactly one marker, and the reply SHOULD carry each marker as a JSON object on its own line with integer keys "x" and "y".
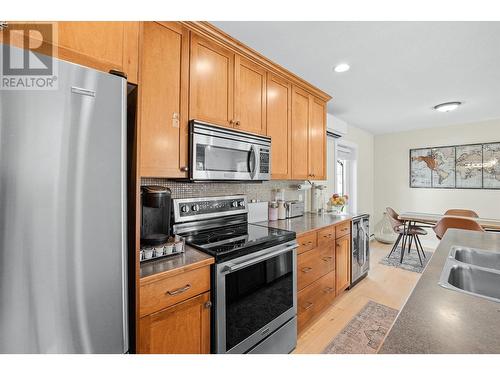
{"x": 208, "y": 304}
{"x": 184, "y": 169}
{"x": 231, "y": 122}
{"x": 237, "y": 123}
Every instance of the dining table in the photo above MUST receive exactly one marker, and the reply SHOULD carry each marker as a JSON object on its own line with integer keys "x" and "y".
{"x": 410, "y": 219}
{"x": 431, "y": 219}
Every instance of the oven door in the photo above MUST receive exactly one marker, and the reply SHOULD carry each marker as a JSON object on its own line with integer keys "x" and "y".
{"x": 218, "y": 158}
{"x": 254, "y": 296}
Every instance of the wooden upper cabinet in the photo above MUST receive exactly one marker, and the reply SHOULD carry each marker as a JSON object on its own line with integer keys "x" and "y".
{"x": 342, "y": 263}
{"x": 249, "y": 96}
{"x": 180, "y": 329}
{"x": 317, "y": 139}
{"x": 300, "y": 133}
{"x": 211, "y": 82}
{"x": 308, "y": 136}
{"x": 164, "y": 100}
{"x": 99, "y": 45}
{"x": 279, "y": 125}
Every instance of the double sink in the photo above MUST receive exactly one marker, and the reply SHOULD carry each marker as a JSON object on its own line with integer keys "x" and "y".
{"x": 472, "y": 271}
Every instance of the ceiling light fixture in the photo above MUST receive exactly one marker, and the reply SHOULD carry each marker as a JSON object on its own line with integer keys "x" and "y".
{"x": 447, "y": 107}
{"x": 341, "y": 68}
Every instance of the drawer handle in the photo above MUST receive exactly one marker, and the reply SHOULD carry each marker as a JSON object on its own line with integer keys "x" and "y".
{"x": 328, "y": 290}
{"x": 309, "y": 305}
{"x": 327, "y": 236}
{"x": 307, "y": 269}
{"x": 327, "y": 259}
{"x": 179, "y": 291}
{"x": 307, "y": 243}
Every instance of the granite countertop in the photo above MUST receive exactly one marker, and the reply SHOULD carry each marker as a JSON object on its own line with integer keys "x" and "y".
{"x": 439, "y": 320}
{"x": 308, "y": 222}
{"x": 175, "y": 264}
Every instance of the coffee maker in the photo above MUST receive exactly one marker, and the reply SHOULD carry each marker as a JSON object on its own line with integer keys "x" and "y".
{"x": 155, "y": 221}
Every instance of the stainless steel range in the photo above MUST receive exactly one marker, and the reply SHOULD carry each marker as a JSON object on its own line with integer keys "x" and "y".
{"x": 254, "y": 278}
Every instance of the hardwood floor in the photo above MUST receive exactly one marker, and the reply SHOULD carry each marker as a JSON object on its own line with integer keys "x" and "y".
{"x": 390, "y": 286}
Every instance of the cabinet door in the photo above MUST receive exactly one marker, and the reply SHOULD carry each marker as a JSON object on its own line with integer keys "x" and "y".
{"x": 99, "y": 45}
{"x": 181, "y": 329}
{"x": 279, "y": 126}
{"x": 342, "y": 263}
{"x": 300, "y": 134}
{"x": 317, "y": 139}
{"x": 163, "y": 100}
{"x": 211, "y": 82}
{"x": 249, "y": 96}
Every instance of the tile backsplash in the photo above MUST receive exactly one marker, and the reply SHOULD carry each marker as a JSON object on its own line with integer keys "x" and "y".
{"x": 262, "y": 191}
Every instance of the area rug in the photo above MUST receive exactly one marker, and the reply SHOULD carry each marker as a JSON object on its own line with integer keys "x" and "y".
{"x": 410, "y": 261}
{"x": 365, "y": 332}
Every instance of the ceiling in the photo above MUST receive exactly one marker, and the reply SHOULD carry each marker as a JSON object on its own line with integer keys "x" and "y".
{"x": 399, "y": 70}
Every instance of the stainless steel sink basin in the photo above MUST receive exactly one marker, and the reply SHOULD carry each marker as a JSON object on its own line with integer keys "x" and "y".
{"x": 476, "y": 257}
{"x": 476, "y": 281}
{"x": 472, "y": 271}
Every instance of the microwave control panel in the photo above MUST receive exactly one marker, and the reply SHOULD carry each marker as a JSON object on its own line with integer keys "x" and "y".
{"x": 264, "y": 161}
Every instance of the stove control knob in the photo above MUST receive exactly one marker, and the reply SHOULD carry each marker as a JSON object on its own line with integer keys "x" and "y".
{"x": 184, "y": 208}
{"x": 242, "y": 204}
{"x": 195, "y": 207}
{"x": 234, "y": 204}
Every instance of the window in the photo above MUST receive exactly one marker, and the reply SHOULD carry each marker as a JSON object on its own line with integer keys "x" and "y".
{"x": 342, "y": 169}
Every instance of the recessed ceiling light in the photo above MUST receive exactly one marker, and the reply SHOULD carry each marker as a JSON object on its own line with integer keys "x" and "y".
{"x": 341, "y": 68}
{"x": 447, "y": 107}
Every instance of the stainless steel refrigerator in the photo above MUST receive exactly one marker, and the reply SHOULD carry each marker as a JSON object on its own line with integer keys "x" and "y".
{"x": 63, "y": 248}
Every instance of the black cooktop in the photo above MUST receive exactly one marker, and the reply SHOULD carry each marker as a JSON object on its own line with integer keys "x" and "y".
{"x": 229, "y": 242}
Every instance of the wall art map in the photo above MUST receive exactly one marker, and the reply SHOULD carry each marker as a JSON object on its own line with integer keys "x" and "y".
{"x": 463, "y": 167}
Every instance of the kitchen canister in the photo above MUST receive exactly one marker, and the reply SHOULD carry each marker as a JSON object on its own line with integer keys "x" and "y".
{"x": 281, "y": 210}
{"x": 273, "y": 211}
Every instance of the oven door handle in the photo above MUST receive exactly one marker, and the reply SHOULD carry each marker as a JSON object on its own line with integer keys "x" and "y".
{"x": 236, "y": 266}
{"x": 252, "y": 161}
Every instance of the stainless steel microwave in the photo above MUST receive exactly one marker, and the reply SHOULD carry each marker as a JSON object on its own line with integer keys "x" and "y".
{"x": 219, "y": 154}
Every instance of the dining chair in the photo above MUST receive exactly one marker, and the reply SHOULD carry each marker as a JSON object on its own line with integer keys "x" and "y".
{"x": 455, "y": 222}
{"x": 411, "y": 236}
{"x": 461, "y": 212}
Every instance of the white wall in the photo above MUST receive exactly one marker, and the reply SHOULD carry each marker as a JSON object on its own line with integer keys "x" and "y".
{"x": 365, "y": 169}
{"x": 392, "y": 172}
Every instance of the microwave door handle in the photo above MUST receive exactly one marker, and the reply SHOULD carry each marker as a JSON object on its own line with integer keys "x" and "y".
{"x": 252, "y": 161}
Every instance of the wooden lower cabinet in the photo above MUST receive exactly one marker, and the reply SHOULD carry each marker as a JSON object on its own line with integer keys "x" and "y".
{"x": 183, "y": 328}
{"x": 174, "y": 313}
{"x": 315, "y": 263}
{"x": 313, "y": 299}
{"x": 343, "y": 263}
{"x": 323, "y": 270}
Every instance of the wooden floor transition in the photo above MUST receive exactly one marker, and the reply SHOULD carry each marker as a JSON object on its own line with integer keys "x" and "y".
{"x": 387, "y": 285}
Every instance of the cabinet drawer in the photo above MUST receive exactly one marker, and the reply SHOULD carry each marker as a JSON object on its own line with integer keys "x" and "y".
{"x": 313, "y": 264}
{"x": 326, "y": 235}
{"x": 167, "y": 292}
{"x": 343, "y": 229}
{"x": 315, "y": 298}
{"x": 307, "y": 242}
